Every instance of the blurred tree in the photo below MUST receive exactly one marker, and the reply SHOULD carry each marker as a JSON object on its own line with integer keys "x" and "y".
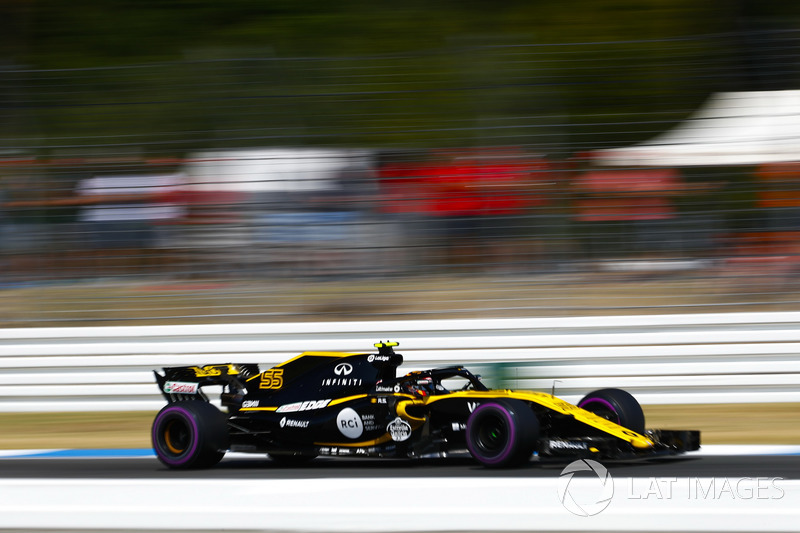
{"x": 188, "y": 72}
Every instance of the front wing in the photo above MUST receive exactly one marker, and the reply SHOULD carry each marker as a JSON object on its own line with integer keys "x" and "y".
{"x": 665, "y": 443}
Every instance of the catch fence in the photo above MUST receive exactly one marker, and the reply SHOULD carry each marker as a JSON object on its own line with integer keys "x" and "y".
{"x": 277, "y": 188}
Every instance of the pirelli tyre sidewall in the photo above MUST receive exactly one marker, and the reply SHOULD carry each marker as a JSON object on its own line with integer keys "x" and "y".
{"x": 502, "y": 433}
{"x": 616, "y": 405}
{"x": 190, "y": 434}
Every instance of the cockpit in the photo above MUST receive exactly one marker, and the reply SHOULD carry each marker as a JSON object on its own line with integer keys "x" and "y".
{"x": 440, "y": 381}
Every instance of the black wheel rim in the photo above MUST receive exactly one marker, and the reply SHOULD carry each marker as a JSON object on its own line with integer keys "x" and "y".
{"x": 492, "y": 435}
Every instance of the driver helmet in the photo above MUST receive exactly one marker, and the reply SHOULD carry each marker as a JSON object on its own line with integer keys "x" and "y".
{"x": 425, "y": 386}
{"x": 420, "y": 387}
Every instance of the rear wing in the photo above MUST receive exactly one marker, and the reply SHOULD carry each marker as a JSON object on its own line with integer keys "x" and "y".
{"x": 186, "y": 382}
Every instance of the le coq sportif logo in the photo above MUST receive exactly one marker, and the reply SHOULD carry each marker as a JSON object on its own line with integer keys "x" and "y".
{"x": 585, "y": 495}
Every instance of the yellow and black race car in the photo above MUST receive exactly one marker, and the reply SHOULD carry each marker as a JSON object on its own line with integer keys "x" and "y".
{"x": 342, "y": 404}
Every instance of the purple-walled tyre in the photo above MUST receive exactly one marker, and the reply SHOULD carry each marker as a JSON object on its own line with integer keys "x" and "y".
{"x": 190, "y": 434}
{"x": 502, "y": 433}
{"x": 616, "y": 405}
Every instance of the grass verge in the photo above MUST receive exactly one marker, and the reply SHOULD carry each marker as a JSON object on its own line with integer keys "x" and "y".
{"x": 720, "y": 424}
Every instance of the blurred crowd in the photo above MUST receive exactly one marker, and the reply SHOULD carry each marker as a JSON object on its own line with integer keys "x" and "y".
{"x": 337, "y": 212}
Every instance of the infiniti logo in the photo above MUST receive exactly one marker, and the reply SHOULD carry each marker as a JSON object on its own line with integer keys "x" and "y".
{"x": 343, "y": 369}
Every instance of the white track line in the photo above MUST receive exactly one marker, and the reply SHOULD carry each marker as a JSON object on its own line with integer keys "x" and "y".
{"x": 708, "y": 450}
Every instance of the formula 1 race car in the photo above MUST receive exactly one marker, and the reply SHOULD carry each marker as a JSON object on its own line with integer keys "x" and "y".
{"x": 342, "y": 404}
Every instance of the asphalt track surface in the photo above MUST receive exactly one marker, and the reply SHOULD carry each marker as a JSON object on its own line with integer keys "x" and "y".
{"x": 752, "y": 466}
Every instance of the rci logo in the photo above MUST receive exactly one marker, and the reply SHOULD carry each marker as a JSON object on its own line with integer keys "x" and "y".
{"x": 349, "y": 423}
{"x": 343, "y": 369}
{"x": 589, "y": 496}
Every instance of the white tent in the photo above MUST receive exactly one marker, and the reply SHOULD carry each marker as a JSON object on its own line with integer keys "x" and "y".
{"x": 732, "y": 128}
{"x": 271, "y": 170}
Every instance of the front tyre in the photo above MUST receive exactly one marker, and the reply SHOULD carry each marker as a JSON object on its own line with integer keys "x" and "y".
{"x": 616, "y": 405}
{"x": 190, "y": 434}
{"x": 502, "y": 434}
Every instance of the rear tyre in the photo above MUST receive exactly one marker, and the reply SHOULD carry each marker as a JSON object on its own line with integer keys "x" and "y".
{"x": 190, "y": 434}
{"x": 616, "y": 405}
{"x": 502, "y": 433}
